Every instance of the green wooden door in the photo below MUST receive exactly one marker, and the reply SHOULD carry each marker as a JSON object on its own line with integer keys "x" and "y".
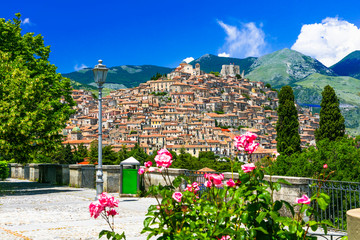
{"x": 129, "y": 181}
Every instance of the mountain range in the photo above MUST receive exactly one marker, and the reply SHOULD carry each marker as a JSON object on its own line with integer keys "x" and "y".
{"x": 306, "y": 75}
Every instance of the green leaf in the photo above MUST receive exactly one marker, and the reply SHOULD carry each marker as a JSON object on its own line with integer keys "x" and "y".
{"x": 277, "y": 205}
{"x": 147, "y": 221}
{"x": 102, "y": 233}
{"x": 261, "y": 216}
{"x": 277, "y": 186}
{"x": 244, "y": 217}
{"x": 283, "y": 181}
{"x": 289, "y": 206}
{"x": 322, "y": 203}
{"x": 261, "y": 229}
{"x": 292, "y": 228}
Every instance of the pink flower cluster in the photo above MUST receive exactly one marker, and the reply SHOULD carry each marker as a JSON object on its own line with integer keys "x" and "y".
{"x": 214, "y": 179}
{"x": 246, "y": 143}
{"x": 248, "y": 167}
{"x": 105, "y": 203}
{"x": 303, "y": 200}
{"x": 147, "y": 168}
{"x": 163, "y": 158}
{"x": 194, "y": 187}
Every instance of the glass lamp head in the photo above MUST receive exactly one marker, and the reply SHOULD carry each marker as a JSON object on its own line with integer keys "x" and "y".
{"x": 100, "y": 73}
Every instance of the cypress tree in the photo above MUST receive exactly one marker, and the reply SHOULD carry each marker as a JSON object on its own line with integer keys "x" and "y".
{"x": 332, "y": 123}
{"x": 287, "y": 126}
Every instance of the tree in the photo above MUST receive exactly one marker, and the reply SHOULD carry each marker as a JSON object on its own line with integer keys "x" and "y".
{"x": 217, "y": 74}
{"x": 80, "y": 153}
{"x": 342, "y": 156}
{"x": 35, "y": 101}
{"x": 109, "y": 156}
{"x": 138, "y": 153}
{"x": 156, "y": 76}
{"x": 332, "y": 123}
{"x": 68, "y": 155}
{"x": 94, "y": 153}
{"x": 287, "y": 126}
{"x": 122, "y": 155}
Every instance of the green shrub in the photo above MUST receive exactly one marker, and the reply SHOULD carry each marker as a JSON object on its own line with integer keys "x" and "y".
{"x": 4, "y": 170}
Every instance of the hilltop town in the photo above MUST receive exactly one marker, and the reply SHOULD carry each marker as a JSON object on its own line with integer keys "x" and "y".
{"x": 186, "y": 109}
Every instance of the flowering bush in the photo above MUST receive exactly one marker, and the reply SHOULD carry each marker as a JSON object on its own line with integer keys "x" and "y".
{"x": 234, "y": 209}
{"x": 105, "y": 207}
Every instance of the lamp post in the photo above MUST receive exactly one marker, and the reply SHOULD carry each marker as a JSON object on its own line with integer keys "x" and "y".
{"x": 100, "y": 72}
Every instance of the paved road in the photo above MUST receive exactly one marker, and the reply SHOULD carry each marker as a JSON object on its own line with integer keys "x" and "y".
{"x": 31, "y": 210}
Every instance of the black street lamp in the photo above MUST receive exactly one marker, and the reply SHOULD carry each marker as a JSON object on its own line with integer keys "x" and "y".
{"x": 100, "y": 72}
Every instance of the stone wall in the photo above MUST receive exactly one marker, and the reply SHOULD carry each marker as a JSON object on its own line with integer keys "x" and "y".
{"x": 84, "y": 176}
{"x": 111, "y": 177}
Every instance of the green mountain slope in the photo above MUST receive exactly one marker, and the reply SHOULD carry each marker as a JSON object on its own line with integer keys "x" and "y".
{"x": 348, "y": 66}
{"x": 285, "y": 67}
{"x": 209, "y": 62}
{"x": 121, "y": 76}
{"x": 347, "y": 89}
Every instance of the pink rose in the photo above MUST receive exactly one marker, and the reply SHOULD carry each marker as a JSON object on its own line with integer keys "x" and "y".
{"x": 230, "y": 183}
{"x": 158, "y": 207}
{"x": 151, "y": 169}
{"x": 248, "y": 167}
{"x": 112, "y": 212}
{"x": 217, "y": 180}
{"x": 195, "y": 187}
{"x": 95, "y": 208}
{"x": 164, "y": 151}
{"x": 177, "y": 196}
{"x": 304, "y": 200}
{"x": 325, "y": 166}
{"x": 251, "y": 147}
{"x": 163, "y": 160}
{"x": 245, "y": 141}
{"x": 106, "y": 200}
{"x": 208, "y": 184}
{"x": 240, "y": 142}
{"x": 188, "y": 188}
{"x": 148, "y": 164}
{"x": 141, "y": 171}
{"x": 250, "y": 136}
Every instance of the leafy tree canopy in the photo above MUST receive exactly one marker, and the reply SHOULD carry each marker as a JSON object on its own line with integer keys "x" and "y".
{"x": 35, "y": 101}
{"x": 342, "y": 156}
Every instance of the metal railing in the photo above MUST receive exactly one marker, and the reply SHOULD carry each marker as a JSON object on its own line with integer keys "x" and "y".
{"x": 343, "y": 197}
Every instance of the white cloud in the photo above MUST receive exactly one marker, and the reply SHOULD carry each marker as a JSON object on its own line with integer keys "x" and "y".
{"x": 328, "y": 41}
{"x": 224, "y": 54}
{"x": 246, "y": 41}
{"x": 188, "y": 59}
{"x": 82, "y": 66}
{"x": 25, "y": 21}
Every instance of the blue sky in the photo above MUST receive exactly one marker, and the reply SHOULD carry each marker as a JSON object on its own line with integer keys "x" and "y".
{"x": 166, "y": 32}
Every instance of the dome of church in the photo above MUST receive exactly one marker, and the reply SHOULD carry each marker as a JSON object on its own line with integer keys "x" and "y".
{"x": 76, "y": 130}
